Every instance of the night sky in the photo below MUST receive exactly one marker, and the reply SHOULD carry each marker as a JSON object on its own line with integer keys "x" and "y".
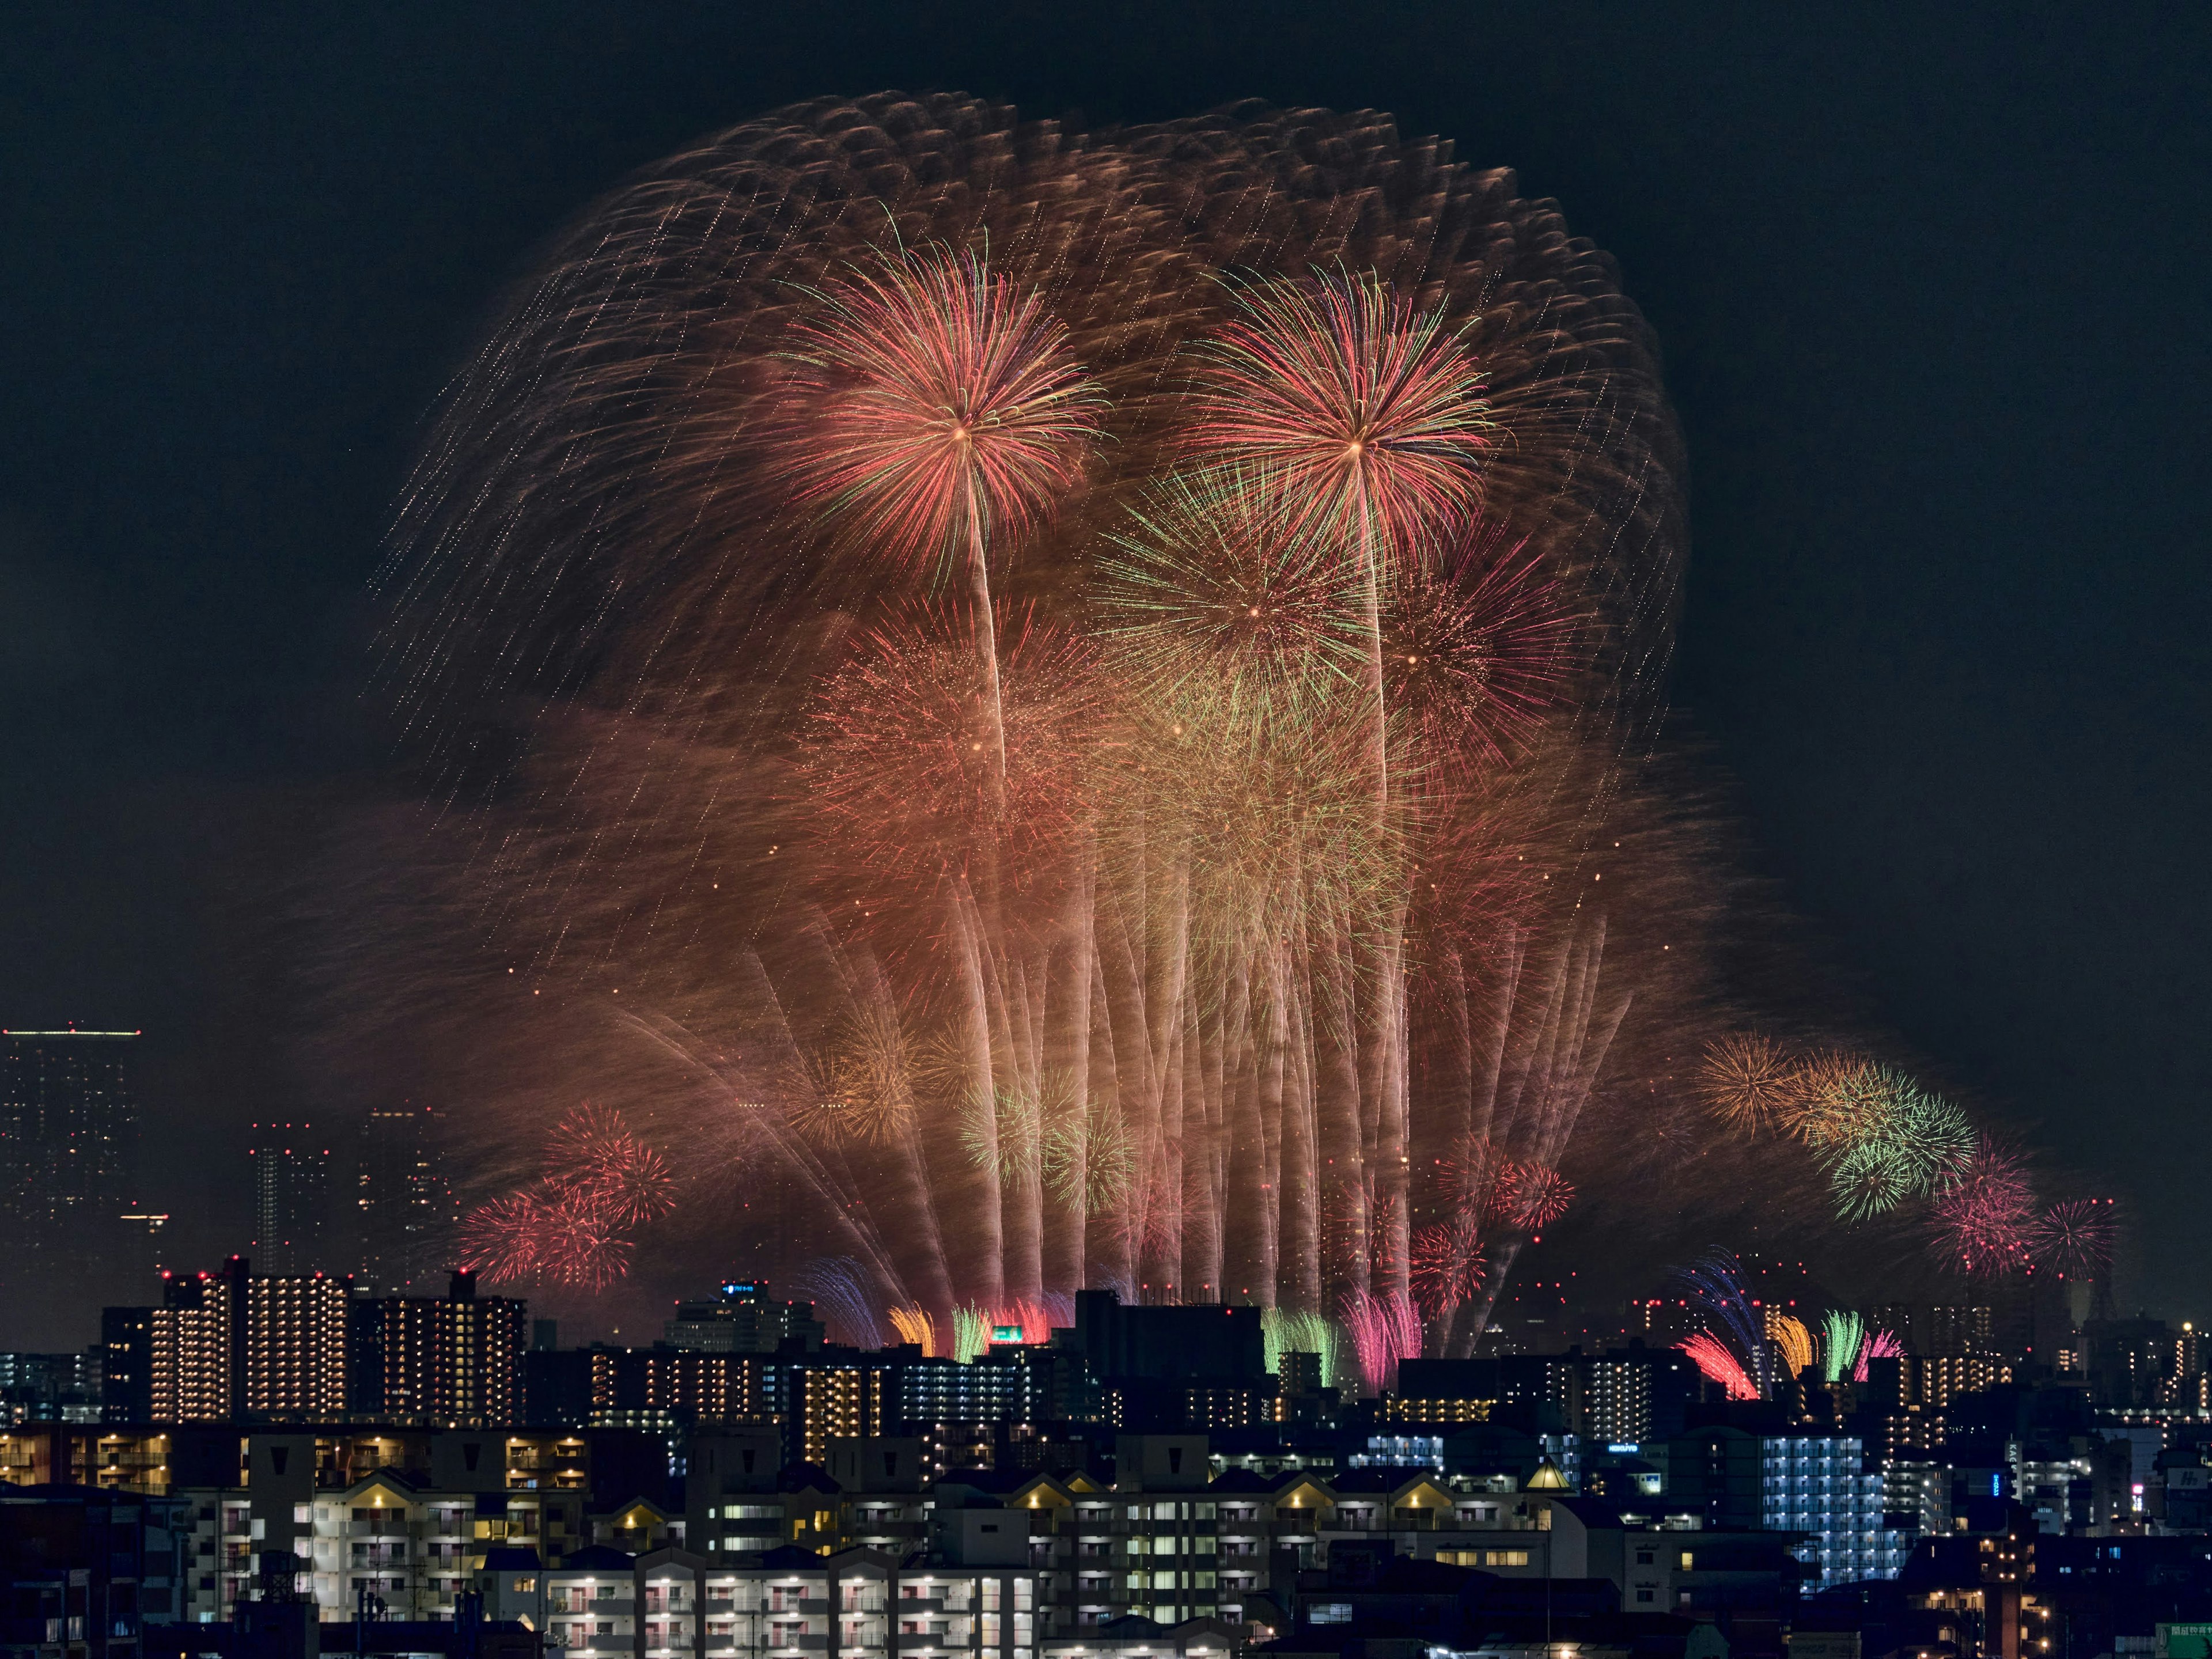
{"x": 1933, "y": 302}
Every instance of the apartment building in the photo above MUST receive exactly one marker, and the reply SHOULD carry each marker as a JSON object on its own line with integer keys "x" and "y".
{"x": 973, "y": 1597}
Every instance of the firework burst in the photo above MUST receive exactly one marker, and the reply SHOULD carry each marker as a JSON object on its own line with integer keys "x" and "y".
{"x": 1792, "y": 1341}
{"x": 2073, "y": 1238}
{"x": 1749, "y": 1082}
{"x": 1370, "y": 410}
{"x": 932, "y": 404}
{"x": 1985, "y": 1220}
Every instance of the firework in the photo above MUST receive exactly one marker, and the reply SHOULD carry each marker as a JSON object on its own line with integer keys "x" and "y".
{"x": 1384, "y": 1330}
{"x": 1089, "y": 1162}
{"x": 1712, "y": 1356}
{"x": 575, "y": 1226}
{"x": 1748, "y": 1082}
{"x": 1448, "y": 1266}
{"x": 1910, "y": 1149}
{"x": 1222, "y": 610}
{"x": 1842, "y": 1345}
{"x": 1536, "y": 1195}
{"x": 1792, "y": 1341}
{"x": 916, "y": 1326}
{"x": 839, "y": 1290}
{"x": 930, "y": 405}
{"x": 2073, "y": 1238}
{"x": 1985, "y": 1220}
{"x": 1715, "y": 1282}
{"x": 1841, "y": 1101}
{"x": 1477, "y": 651}
{"x": 971, "y": 1334}
{"x": 1370, "y": 410}
{"x": 914, "y": 779}
{"x": 1284, "y": 1333}
{"x": 1878, "y": 1344}
{"x": 880, "y": 786}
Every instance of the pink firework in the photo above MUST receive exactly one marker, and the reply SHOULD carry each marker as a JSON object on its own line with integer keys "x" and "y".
{"x": 601, "y": 1170}
{"x": 500, "y": 1240}
{"x": 1880, "y": 1345}
{"x": 1369, "y": 411}
{"x": 933, "y": 408}
{"x": 1715, "y": 1359}
{"x": 2073, "y": 1238}
{"x": 930, "y": 403}
{"x": 1363, "y": 413}
{"x": 1384, "y": 1330}
{"x": 573, "y": 1225}
{"x": 1467, "y": 1181}
{"x": 1448, "y": 1267}
{"x": 1986, "y": 1217}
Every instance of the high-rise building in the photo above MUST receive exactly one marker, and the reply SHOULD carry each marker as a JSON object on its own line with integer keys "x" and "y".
{"x": 291, "y": 1174}
{"x": 191, "y": 1363}
{"x": 452, "y": 1361}
{"x": 68, "y": 1144}
{"x": 126, "y": 1379}
{"x": 1953, "y": 1331}
{"x": 402, "y": 1206}
{"x": 742, "y": 1318}
{"x": 241, "y": 1345}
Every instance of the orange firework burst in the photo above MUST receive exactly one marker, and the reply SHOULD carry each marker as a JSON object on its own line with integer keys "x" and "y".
{"x": 1841, "y": 1100}
{"x": 1749, "y": 1082}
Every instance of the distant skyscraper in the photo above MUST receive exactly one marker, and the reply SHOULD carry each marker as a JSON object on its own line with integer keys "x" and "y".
{"x": 291, "y": 1171}
{"x": 404, "y": 1208}
{"x": 68, "y": 1144}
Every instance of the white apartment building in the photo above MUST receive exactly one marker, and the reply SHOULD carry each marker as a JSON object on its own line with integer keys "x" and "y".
{"x": 784, "y": 1604}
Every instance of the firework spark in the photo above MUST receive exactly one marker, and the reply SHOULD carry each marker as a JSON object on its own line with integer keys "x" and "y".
{"x": 1448, "y": 1264}
{"x": 1791, "y": 1340}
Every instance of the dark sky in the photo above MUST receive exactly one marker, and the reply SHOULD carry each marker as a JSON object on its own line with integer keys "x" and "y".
{"x": 1933, "y": 299}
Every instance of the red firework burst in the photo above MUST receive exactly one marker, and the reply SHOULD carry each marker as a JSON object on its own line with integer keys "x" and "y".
{"x": 501, "y": 1240}
{"x": 2073, "y": 1238}
{"x": 1369, "y": 411}
{"x": 1536, "y": 1195}
{"x": 1986, "y": 1217}
{"x": 598, "y": 1168}
{"x": 1475, "y": 653}
{"x": 1448, "y": 1266}
{"x": 900, "y": 759}
{"x": 931, "y": 401}
{"x": 572, "y": 1226}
